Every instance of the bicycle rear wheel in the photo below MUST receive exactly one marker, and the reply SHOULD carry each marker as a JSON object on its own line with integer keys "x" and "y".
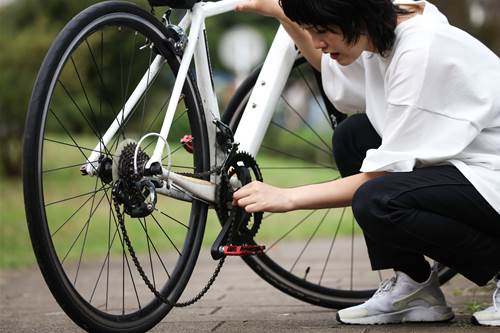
{"x": 87, "y": 76}
{"x": 318, "y": 256}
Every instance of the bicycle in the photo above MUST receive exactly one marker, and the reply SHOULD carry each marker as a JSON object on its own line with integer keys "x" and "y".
{"x": 81, "y": 121}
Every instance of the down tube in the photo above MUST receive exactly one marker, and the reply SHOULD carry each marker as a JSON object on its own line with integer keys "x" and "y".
{"x": 265, "y": 95}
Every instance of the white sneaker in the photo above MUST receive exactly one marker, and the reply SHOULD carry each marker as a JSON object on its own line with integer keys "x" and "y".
{"x": 491, "y": 315}
{"x": 398, "y": 300}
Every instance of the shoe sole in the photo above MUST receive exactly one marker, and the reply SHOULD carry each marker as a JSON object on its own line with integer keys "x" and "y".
{"x": 413, "y": 315}
{"x": 476, "y": 322}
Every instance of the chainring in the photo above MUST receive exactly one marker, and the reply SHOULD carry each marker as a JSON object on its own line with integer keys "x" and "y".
{"x": 241, "y": 169}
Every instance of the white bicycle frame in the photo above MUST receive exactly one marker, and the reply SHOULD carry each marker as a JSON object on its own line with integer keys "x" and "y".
{"x": 255, "y": 119}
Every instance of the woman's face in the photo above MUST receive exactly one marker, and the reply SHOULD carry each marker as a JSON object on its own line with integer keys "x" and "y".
{"x": 333, "y": 43}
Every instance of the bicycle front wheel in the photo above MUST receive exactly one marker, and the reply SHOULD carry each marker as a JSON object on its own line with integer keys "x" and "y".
{"x": 85, "y": 80}
{"x": 317, "y": 256}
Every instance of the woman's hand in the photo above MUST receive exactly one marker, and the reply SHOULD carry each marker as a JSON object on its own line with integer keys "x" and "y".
{"x": 262, "y": 7}
{"x": 260, "y": 197}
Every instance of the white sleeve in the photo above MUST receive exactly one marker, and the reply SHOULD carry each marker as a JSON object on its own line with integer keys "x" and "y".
{"x": 344, "y": 85}
{"x": 429, "y": 120}
{"x": 414, "y": 137}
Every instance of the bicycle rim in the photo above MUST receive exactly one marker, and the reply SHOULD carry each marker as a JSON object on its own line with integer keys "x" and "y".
{"x": 86, "y": 78}
{"x": 318, "y": 256}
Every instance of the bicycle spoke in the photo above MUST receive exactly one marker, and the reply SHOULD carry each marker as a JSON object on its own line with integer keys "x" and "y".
{"x": 131, "y": 277}
{"x": 323, "y": 111}
{"x": 86, "y": 233}
{"x": 166, "y": 235}
{"x": 74, "y": 145}
{"x": 124, "y": 260}
{"x": 309, "y": 240}
{"x": 296, "y": 157}
{"x": 158, "y": 254}
{"x": 65, "y": 167}
{"x": 290, "y": 107}
{"x": 148, "y": 240}
{"x": 173, "y": 219}
{"x": 125, "y": 88}
{"x": 83, "y": 89}
{"x": 77, "y": 196}
{"x": 106, "y": 261}
{"x": 326, "y": 152}
{"x": 94, "y": 130}
{"x": 172, "y": 152}
{"x": 69, "y": 218}
{"x": 331, "y": 247}
{"x": 72, "y": 139}
{"x": 99, "y": 72}
{"x": 289, "y": 231}
{"x": 157, "y": 115}
{"x": 150, "y": 126}
{"x": 84, "y": 226}
{"x": 110, "y": 243}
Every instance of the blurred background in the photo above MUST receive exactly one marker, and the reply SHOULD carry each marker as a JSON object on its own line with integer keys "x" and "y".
{"x": 27, "y": 28}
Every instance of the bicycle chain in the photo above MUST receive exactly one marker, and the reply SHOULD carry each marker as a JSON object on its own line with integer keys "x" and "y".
{"x": 230, "y": 219}
{"x": 125, "y": 174}
{"x": 121, "y": 222}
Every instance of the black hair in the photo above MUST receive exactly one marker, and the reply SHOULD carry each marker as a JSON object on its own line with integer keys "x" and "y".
{"x": 375, "y": 18}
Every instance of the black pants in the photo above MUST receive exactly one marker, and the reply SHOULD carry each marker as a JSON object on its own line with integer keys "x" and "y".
{"x": 432, "y": 211}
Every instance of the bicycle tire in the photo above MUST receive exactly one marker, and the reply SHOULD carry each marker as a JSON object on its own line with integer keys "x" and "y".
{"x": 114, "y": 304}
{"x": 270, "y": 269}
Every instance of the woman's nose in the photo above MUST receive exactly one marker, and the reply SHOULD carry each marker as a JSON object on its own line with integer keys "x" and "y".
{"x": 318, "y": 43}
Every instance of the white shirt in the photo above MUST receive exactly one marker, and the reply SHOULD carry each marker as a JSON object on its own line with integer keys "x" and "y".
{"x": 434, "y": 100}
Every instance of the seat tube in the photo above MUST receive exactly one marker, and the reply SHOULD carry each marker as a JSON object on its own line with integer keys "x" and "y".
{"x": 264, "y": 98}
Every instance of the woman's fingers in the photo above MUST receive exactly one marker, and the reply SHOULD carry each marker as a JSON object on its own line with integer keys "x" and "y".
{"x": 258, "y": 197}
{"x": 262, "y": 7}
{"x": 253, "y": 208}
{"x": 246, "y": 6}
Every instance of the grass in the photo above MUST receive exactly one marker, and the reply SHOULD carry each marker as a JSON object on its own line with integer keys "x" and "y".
{"x": 15, "y": 247}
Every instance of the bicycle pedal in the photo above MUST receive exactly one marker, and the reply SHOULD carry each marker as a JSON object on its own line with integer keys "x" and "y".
{"x": 243, "y": 250}
{"x": 187, "y": 142}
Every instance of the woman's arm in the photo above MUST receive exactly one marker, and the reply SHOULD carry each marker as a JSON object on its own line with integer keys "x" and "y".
{"x": 301, "y": 38}
{"x": 260, "y": 197}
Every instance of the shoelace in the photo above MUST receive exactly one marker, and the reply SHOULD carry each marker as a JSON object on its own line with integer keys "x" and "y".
{"x": 386, "y": 285}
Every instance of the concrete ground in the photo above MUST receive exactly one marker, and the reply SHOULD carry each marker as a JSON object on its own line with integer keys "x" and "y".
{"x": 239, "y": 301}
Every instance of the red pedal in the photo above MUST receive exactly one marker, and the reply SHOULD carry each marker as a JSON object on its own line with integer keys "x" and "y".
{"x": 187, "y": 142}
{"x": 243, "y": 250}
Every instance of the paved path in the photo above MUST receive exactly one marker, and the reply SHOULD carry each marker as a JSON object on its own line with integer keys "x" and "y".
{"x": 239, "y": 301}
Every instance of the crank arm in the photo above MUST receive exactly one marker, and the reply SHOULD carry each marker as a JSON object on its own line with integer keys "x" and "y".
{"x": 217, "y": 250}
